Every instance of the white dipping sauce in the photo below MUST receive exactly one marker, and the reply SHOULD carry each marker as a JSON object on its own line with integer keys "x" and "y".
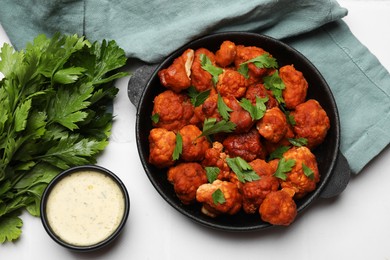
{"x": 85, "y": 207}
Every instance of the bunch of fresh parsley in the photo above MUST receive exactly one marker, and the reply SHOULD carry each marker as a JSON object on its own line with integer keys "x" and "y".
{"x": 55, "y": 101}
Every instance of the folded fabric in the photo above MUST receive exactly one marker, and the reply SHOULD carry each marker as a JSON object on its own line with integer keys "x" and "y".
{"x": 150, "y": 30}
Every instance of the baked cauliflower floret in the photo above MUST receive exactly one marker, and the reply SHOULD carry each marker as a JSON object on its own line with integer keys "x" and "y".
{"x": 254, "y": 192}
{"x": 194, "y": 146}
{"x": 177, "y": 76}
{"x": 239, "y": 116}
{"x": 209, "y": 108}
{"x": 271, "y": 147}
{"x": 247, "y": 146}
{"x": 262, "y": 168}
{"x": 173, "y": 110}
{"x": 161, "y": 146}
{"x": 273, "y": 125}
{"x": 278, "y": 208}
{"x": 200, "y": 78}
{"x": 231, "y": 82}
{"x": 297, "y": 180}
{"x": 216, "y": 157}
{"x": 231, "y": 198}
{"x": 246, "y": 53}
{"x": 296, "y": 86}
{"x": 311, "y": 122}
{"x": 186, "y": 178}
{"x": 226, "y": 54}
{"x": 259, "y": 90}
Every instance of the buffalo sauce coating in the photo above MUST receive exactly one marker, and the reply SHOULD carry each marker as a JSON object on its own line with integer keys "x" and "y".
{"x": 85, "y": 208}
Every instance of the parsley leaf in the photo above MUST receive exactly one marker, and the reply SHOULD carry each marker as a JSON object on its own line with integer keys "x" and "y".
{"x": 298, "y": 141}
{"x": 223, "y": 109}
{"x": 242, "y": 169}
{"x": 208, "y": 66}
{"x": 211, "y": 126}
{"x": 307, "y": 171}
{"x": 218, "y": 197}
{"x": 10, "y": 228}
{"x": 178, "y": 147}
{"x": 290, "y": 118}
{"x": 197, "y": 98}
{"x": 262, "y": 61}
{"x": 155, "y": 118}
{"x": 212, "y": 173}
{"x": 284, "y": 166}
{"x": 276, "y": 85}
{"x": 256, "y": 111}
{"x": 278, "y": 152}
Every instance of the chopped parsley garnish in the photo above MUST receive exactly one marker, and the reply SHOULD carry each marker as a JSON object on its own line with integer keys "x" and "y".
{"x": 262, "y": 61}
{"x": 298, "y": 141}
{"x": 278, "y": 152}
{"x": 284, "y": 167}
{"x": 155, "y": 118}
{"x": 178, "y": 147}
{"x": 256, "y": 111}
{"x": 208, "y": 66}
{"x": 212, "y": 173}
{"x": 223, "y": 109}
{"x": 276, "y": 85}
{"x": 197, "y": 98}
{"x": 218, "y": 197}
{"x": 211, "y": 126}
{"x": 290, "y": 118}
{"x": 307, "y": 171}
{"x": 242, "y": 169}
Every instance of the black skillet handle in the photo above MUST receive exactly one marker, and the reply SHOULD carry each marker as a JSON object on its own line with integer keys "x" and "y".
{"x": 339, "y": 179}
{"x": 138, "y": 80}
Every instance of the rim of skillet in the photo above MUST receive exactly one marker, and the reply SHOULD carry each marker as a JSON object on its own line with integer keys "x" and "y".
{"x": 284, "y": 55}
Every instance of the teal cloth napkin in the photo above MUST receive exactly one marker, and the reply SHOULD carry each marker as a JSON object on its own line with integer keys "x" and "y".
{"x": 150, "y": 30}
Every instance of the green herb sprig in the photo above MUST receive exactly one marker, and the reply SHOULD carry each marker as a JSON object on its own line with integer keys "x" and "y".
{"x": 256, "y": 111}
{"x": 218, "y": 197}
{"x": 242, "y": 169}
{"x": 262, "y": 61}
{"x": 284, "y": 167}
{"x": 54, "y": 101}
{"x": 208, "y": 66}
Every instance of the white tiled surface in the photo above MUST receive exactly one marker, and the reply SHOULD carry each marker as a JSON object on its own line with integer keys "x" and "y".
{"x": 355, "y": 225}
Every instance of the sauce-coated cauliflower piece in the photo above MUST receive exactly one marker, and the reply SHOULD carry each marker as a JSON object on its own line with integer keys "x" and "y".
{"x": 186, "y": 178}
{"x": 231, "y": 83}
{"x": 194, "y": 145}
{"x": 278, "y": 208}
{"x": 273, "y": 125}
{"x": 174, "y": 110}
{"x": 161, "y": 146}
{"x": 246, "y": 145}
{"x": 239, "y": 116}
{"x": 226, "y": 54}
{"x": 216, "y": 157}
{"x": 177, "y": 76}
{"x": 209, "y": 108}
{"x": 254, "y": 192}
{"x": 296, "y": 86}
{"x": 232, "y": 198}
{"x": 259, "y": 90}
{"x": 297, "y": 180}
{"x": 311, "y": 122}
{"x": 200, "y": 78}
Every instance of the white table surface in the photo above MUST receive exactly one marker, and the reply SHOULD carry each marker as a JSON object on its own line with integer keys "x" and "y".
{"x": 355, "y": 225}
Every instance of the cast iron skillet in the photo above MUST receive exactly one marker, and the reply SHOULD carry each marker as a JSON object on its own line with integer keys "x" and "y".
{"x": 332, "y": 165}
